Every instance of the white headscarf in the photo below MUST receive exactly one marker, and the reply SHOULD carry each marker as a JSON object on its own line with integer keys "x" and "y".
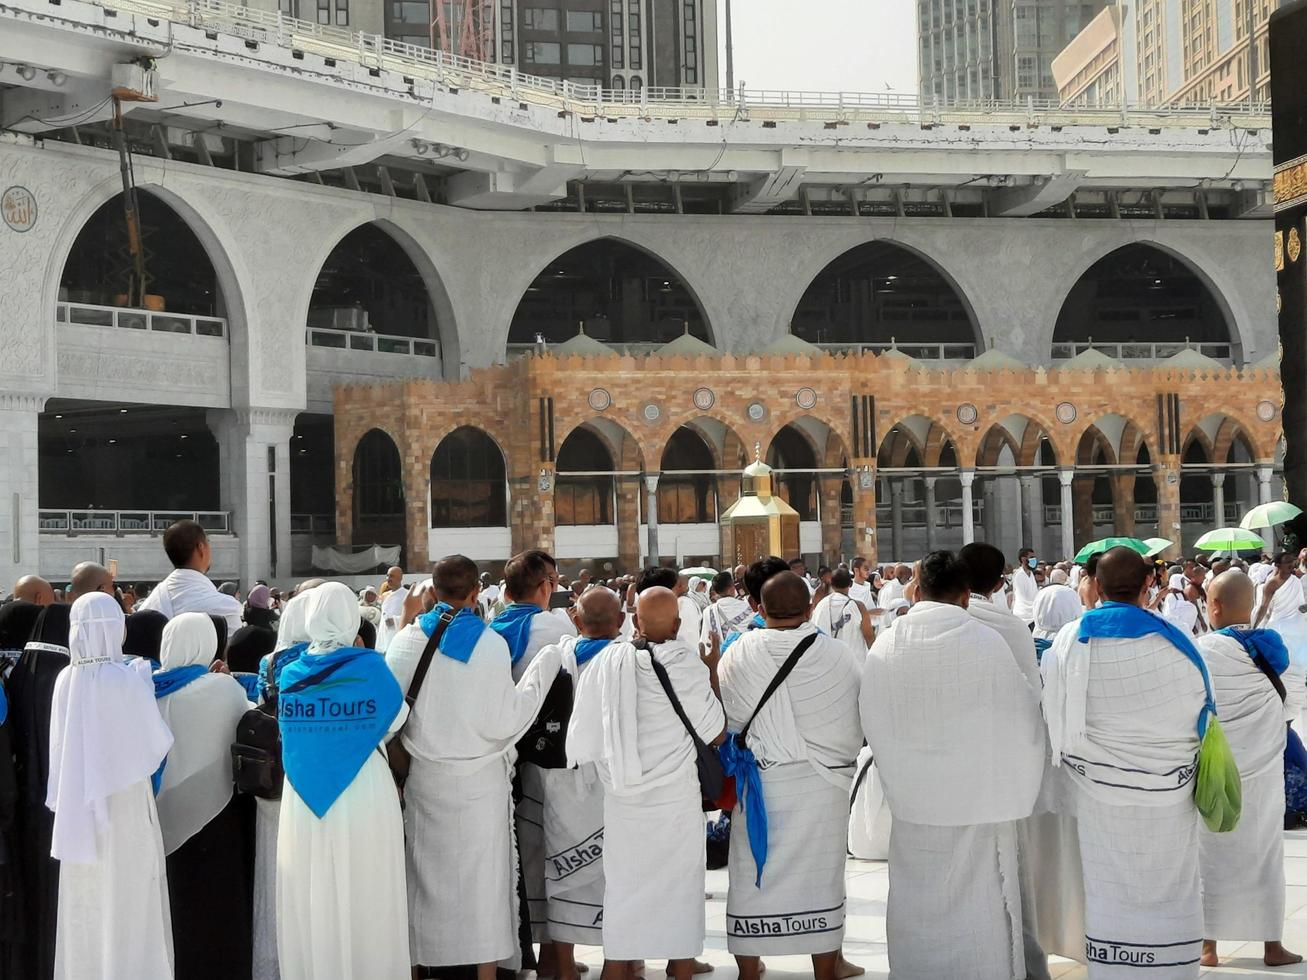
{"x": 203, "y": 715}
{"x": 1055, "y": 606}
{"x": 331, "y": 612}
{"x": 291, "y": 627}
{"x": 105, "y": 731}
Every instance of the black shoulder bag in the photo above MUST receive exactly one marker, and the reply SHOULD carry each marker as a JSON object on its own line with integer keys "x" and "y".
{"x": 256, "y": 753}
{"x": 545, "y": 742}
{"x": 717, "y": 789}
{"x": 399, "y": 758}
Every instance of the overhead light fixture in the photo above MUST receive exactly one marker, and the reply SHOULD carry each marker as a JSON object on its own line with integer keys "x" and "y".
{"x": 122, "y": 411}
{"x": 26, "y": 72}
{"x": 56, "y": 78}
{"x": 58, "y": 416}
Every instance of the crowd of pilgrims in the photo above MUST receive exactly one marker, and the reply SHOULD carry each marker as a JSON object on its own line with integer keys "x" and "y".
{"x": 479, "y": 777}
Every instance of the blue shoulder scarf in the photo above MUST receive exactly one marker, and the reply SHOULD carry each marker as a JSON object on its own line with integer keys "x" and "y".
{"x": 514, "y": 625}
{"x": 1266, "y": 643}
{"x": 587, "y": 649}
{"x": 1121, "y": 621}
{"x": 756, "y": 623}
{"x": 1042, "y": 646}
{"x": 333, "y": 710}
{"x": 170, "y": 682}
{"x": 460, "y": 636}
{"x": 277, "y": 661}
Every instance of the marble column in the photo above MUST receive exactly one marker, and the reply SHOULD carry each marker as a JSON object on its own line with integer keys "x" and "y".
{"x": 932, "y": 515}
{"x": 254, "y": 486}
{"x": 651, "y": 516}
{"x": 1264, "y": 474}
{"x": 1028, "y": 524}
{"x": 19, "y": 493}
{"x": 1065, "y": 479}
{"x": 1218, "y": 500}
{"x": 896, "y": 516}
{"x": 989, "y": 513}
{"x": 967, "y": 477}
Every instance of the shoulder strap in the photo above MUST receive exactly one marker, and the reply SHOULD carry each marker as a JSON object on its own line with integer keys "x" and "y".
{"x": 661, "y": 673}
{"x": 1260, "y": 662}
{"x": 779, "y": 679}
{"x": 427, "y": 653}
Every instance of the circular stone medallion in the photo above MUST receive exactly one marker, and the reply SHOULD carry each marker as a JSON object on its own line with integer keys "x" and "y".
{"x": 1266, "y": 411}
{"x": 704, "y": 399}
{"x": 1065, "y": 412}
{"x": 756, "y": 411}
{"x": 652, "y": 413}
{"x": 967, "y": 413}
{"x": 805, "y": 398}
{"x": 599, "y": 399}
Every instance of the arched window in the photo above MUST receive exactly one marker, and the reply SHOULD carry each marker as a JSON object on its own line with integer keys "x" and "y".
{"x": 791, "y": 451}
{"x": 369, "y": 284}
{"x": 583, "y": 499}
{"x": 1136, "y": 298}
{"x": 469, "y": 487}
{"x": 881, "y": 292}
{"x": 378, "y": 481}
{"x": 687, "y": 497}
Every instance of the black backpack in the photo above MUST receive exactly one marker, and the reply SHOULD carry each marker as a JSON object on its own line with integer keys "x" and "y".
{"x": 256, "y": 753}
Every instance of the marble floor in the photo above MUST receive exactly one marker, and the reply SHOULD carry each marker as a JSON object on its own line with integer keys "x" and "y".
{"x": 868, "y": 885}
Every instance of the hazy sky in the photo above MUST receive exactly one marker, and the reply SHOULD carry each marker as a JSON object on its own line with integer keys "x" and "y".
{"x": 824, "y": 45}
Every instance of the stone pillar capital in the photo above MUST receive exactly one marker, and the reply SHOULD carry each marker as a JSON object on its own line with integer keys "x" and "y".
{"x": 1218, "y": 479}
{"x": 967, "y": 477}
{"x": 651, "y": 482}
{"x": 1066, "y": 476}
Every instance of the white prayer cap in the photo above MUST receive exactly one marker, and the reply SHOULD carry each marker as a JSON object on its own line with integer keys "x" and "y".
{"x": 1058, "y": 577}
{"x": 188, "y": 640}
{"x": 331, "y": 613}
{"x": 1055, "y": 606}
{"x": 1260, "y": 572}
{"x": 1178, "y": 582}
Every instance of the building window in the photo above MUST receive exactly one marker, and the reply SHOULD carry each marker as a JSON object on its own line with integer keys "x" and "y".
{"x": 619, "y": 54}
{"x": 506, "y": 31}
{"x": 324, "y": 11}
{"x": 584, "y": 21}
{"x": 636, "y": 84}
{"x": 691, "y": 44}
{"x": 342, "y": 13}
{"x": 585, "y": 55}
{"x": 619, "y": 83}
{"x": 287, "y": 7}
{"x": 539, "y": 19}
{"x": 542, "y": 53}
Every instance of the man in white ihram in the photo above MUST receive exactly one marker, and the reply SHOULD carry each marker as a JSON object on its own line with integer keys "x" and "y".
{"x": 845, "y": 618}
{"x": 1025, "y": 589}
{"x": 654, "y": 843}
{"x": 187, "y": 588}
{"x": 958, "y": 740}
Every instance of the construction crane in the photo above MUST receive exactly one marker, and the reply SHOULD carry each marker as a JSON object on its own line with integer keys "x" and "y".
{"x": 132, "y": 82}
{"x": 465, "y": 28}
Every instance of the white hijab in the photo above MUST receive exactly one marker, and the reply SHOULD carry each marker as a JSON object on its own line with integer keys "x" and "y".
{"x": 203, "y": 715}
{"x": 331, "y": 612}
{"x": 1056, "y": 606}
{"x": 105, "y": 732}
{"x": 291, "y": 627}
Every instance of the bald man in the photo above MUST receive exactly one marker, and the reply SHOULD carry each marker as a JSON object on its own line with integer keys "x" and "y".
{"x": 801, "y": 744}
{"x": 1243, "y": 871}
{"x": 1124, "y": 695}
{"x": 392, "y": 593}
{"x": 89, "y": 577}
{"x": 574, "y": 803}
{"x": 33, "y": 588}
{"x": 624, "y": 722}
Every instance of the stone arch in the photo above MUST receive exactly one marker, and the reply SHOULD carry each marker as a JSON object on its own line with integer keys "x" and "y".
{"x": 687, "y": 497}
{"x": 378, "y": 498}
{"x": 446, "y": 325}
{"x": 791, "y": 447}
{"x": 928, "y": 442}
{"x": 469, "y": 484}
{"x": 590, "y": 497}
{"x": 1171, "y": 263}
{"x": 213, "y": 239}
{"x": 879, "y": 306}
{"x": 1023, "y": 434}
{"x": 682, "y": 302}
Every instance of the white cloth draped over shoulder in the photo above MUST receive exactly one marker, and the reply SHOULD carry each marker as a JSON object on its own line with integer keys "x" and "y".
{"x": 691, "y": 620}
{"x": 458, "y": 798}
{"x": 1025, "y": 590}
{"x": 727, "y": 614}
{"x": 106, "y": 738}
{"x": 1286, "y": 618}
{"x": 392, "y": 612}
{"x": 805, "y": 738}
{"x": 186, "y": 590}
{"x": 654, "y": 842}
{"x": 977, "y": 756}
{"x": 840, "y": 616}
{"x": 1016, "y": 634}
{"x": 1056, "y": 606}
{"x": 202, "y": 716}
{"x": 1243, "y": 871}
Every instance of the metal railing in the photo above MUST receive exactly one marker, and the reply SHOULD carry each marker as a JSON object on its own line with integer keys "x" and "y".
{"x": 413, "y": 61}
{"x": 1141, "y": 350}
{"x": 947, "y": 514}
{"x": 1147, "y": 513}
{"x": 117, "y": 522}
{"x": 90, "y": 315}
{"x": 377, "y": 342}
{"x": 922, "y": 352}
{"x": 319, "y": 525}
{"x": 635, "y": 350}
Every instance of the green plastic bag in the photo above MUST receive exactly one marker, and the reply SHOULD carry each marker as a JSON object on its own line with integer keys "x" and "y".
{"x": 1218, "y": 793}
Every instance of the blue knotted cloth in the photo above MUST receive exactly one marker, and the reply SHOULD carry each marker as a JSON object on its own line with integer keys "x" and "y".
{"x": 739, "y": 762}
{"x": 461, "y": 635}
{"x": 756, "y": 623}
{"x": 514, "y": 625}
{"x": 587, "y": 649}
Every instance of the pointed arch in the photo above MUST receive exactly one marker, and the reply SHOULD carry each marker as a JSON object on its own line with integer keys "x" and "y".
{"x": 469, "y": 481}
{"x": 380, "y": 515}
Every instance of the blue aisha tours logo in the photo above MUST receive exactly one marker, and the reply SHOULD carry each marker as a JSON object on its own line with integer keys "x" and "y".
{"x": 314, "y": 699}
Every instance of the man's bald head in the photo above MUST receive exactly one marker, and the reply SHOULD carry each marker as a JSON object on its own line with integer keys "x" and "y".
{"x": 89, "y": 577}
{"x": 1230, "y": 599}
{"x": 785, "y": 598}
{"x": 599, "y": 615}
{"x": 657, "y": 616}
{"x": 33, "y": 588}
{"x": 308, "y": 583}
{"x": 1121, "y": 575}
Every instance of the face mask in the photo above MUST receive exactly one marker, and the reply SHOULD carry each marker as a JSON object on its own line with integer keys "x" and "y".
{"x": 1032, "y": 562}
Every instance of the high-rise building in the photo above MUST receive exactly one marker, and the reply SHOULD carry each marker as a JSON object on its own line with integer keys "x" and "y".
{"x": 1169, "y": 52}
{"x": 972, "y": 50}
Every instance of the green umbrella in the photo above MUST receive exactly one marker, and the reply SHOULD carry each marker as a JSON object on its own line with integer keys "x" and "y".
{"x": 1230, "y": 539}
{"x": 703, "y": 571}
{"x": 1269, "y": 515}
{"x": 1107, "y": 544}
{"x": 1156, "y": 546}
